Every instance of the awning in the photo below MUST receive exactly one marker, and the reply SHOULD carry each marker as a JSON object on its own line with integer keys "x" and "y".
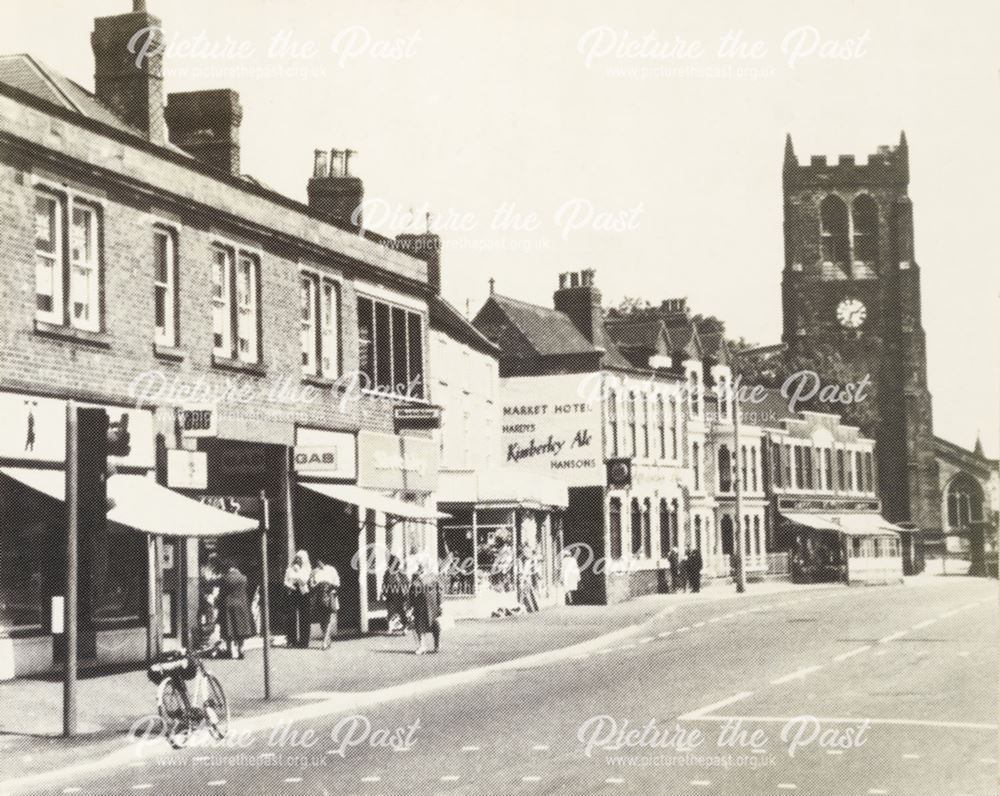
{"x": 370, "y": 499}
{"x": 850, "y": 524}
{"x": 145, "y": 505}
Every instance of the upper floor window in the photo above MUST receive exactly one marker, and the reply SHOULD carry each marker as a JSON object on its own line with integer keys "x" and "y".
{"x": 828, "y": 468}
{"x": 165, "y": 305}
{"x": 744, "y": 484}
{"x": 834, "y": 238}
{"x": 693, "y": 397}
{"x": 870, "y": 470}
{"x": 841, "y": 471}
{"x": 390, "y": 347}
{"x": 859, "y": 467}
{"x": 661, "y": 431}
{"x": 613, "y": 421}
{"x": 789, "y": 483}
{"x": 320, "y": 310}
{"x": 632, "y": 432}
{"x": 673, "y": 426}
{"x": 776, "y": 463}
{"x": 615, "y": 527}
{"x": 753, "y": 468}
{"x": 725, "y": 469}
{"x": 723, "y": 388}
{"x": 645, "y": 425}
{"x": 807, "y": 466}
{"x": 79, "y": 267}
{"x": 696, "y": 465}
{"x": 235, "y": 304}
{"x": 799, "y": 479}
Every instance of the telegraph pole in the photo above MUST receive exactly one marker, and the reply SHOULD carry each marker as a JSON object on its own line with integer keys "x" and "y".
{"x": 70, "y": 600}
{"x": 741, "y": 569}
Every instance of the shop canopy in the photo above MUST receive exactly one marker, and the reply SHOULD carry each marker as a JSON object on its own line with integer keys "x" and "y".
{"x": 370, "y": 499}
{"x": 145, "y": 505}
{"x": 502, "y": 486}
{"x": 853, "y": 524}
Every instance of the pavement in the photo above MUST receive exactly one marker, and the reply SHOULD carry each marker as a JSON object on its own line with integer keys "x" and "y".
{"x": 509, "y": 706}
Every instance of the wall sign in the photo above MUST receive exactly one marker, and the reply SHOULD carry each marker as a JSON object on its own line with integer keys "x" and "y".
{"x": 198, "y": 420}
{"x": 325, "y": 454}
{"x": 397, "y": 462}
{"x": 187, "y": 469}
{"x": 404, "y": 416}
{"x": 548, "y": 425}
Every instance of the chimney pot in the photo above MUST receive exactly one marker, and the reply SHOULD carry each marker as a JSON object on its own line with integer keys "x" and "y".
{"x": 319, "y": 163}
{"x": 574, "y": 279}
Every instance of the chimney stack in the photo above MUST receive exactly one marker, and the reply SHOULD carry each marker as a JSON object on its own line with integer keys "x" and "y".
{"x": 128, "y": 81}
{"x": 333, "y": 192}
{"x": 579, "y": 298}
{"x": 425, "y": 246}
{"x": 206, "y": 124}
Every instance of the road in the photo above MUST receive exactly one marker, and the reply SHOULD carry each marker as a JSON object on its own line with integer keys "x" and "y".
{"x": 887, "y": 690}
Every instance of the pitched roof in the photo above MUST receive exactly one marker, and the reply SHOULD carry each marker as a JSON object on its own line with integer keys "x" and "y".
{"x": 645, "y": 333}
{"x": 548, "y": 331}
{"x": 445, "y": 317}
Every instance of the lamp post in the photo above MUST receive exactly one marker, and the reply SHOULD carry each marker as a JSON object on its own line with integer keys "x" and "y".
{"x": 741, "y": 565}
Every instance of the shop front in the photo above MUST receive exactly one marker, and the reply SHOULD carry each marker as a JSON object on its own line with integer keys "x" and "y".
{"x": 502, "y": 539}
{"x": 371, "y": 498}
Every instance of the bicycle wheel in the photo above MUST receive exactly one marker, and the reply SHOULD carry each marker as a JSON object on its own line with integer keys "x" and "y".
{"x": 216, "y": 708}
{"x": 174, "y": 713}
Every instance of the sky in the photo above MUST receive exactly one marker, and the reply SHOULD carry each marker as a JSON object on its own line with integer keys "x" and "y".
{"x": 556, "y": 135}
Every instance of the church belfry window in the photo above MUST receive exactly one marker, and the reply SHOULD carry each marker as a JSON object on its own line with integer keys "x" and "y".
{"x": 834, "y": 240}
{"x": 864, "y": 225}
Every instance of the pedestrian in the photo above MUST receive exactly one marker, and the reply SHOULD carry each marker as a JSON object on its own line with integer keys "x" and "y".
{"x": 235, "y": 622}
{"x": 569, "y": 573}
{"x": 297, "y": 584}
{"x": 394, "y": 593}
{"x": 695, "y": 564}
{"x": 674, "y": 561}
{"x": 324, "y": 585}
{"x": 208, "y": 606}
{"x": 425, "y": 599}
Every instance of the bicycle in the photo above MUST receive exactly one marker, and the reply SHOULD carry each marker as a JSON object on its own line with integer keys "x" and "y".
{"x": 183, "y": 714}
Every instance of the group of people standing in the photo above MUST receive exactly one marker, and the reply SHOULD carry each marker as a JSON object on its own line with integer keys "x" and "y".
{"x": 313, "y": 595}
{"x": 685, "y": 572}
{"x": 225, "y": 615}
{"x": 413, "y": 602}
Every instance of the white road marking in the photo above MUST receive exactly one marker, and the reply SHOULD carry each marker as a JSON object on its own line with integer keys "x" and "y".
{"x": 701, "y": 783}
{"x": 877, "y": 791}
{"x": 787, "y": 786}
{"x": 216, "y": 783}
{"x": 627, "y": 647}
{"x": 470, "y": 748}
{"x": 835, "y": 751}
{"x": 531, "y": 778}
{"x": 878, "y": 653}
{"x": 665, "y": 633}
{"x": 582, "y": 657}
{"x": 798, "y": 675}
{"x": 925, "y": 623}
{"x": 605, "y": 652}
{"x": 371, "y": 779}
{"x": 72, "y": 790}
{"x": 963, "y": 654}
{"x": 450, "y": 778}
{"x": 946, "y": 614}
{"x": 893, "y": 636}
{"x": 200, "y": 759}
{"x": 684, "y": 629}
{"x": 541, "y": 747}
{"x": 953, "y": 725}
{"x": 615, "y": 781}
{"x": 844, "y": 656}
{"x": 293, "y": 780}
{"x": 146, "y": 786}
{"x": 699, "y": 624}
{"x": 911, "y": 756}
{"x": 716, "y": 705}
{"x": 645, "y": 639}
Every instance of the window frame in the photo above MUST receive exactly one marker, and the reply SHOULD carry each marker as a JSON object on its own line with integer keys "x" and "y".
{"x": 324, "y": 332}
{"x": 169, "y": 334}
{"x": 413, "y": 347}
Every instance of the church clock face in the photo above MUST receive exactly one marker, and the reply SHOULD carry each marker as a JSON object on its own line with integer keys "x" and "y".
{"x": 851, "y": 313}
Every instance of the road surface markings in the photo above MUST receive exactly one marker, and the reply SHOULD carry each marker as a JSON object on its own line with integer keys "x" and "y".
{"x": 531, "y": 778}
{"x": 700, "y": 712}
{"x": 665, "y": 633}
{"x": 146, "y": 786}
{"x": 844, "y": 656}
{"x": 699, "y": 624}
{"x": 987, "y": 760}
{"x": 946, "y": 614}
{"x": 293, "y": 780}
{"x": 450, "y": 778}
{"x": 911, "y": 756}
{"x": 541, "y": 747}
{"x": 963, "y": 654}
{"x": 72, "y": 790}
{"x": 470, "y": 748}
{"x": 216, "y": 783}
{"x": 371, "y": 779}
{"x": 714, "y": 619}
{"x": 877, "y": 791}
{"x": 951, "y": 725}
{"x": 262, "y": 754}
{"x": 787, "y": 786}
{"x": 627, "y": 647}
{"x": 200, "y": 759}
{"x": 878, "y": 653}
{"x": 701, "y": 783}
{"x": 606, "y": 652}
{"x": 684, "y": 629}
{"x": 645, "y": 639}
{"x": 615, "y": 781}
{"x": 925, "y": 623}
{"x": 835, "y": 751}
{"x": 797, "y": 675}
{"x": 582, "y": 657}
{"x": 893, "y": 636}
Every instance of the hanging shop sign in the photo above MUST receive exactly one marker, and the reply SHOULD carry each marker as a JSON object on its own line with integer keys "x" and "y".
{"x": 198, "y": 420}
{"x": 397, "y": 462}
{"x": 410, "y": 416}
{"x": 187, "y": 469}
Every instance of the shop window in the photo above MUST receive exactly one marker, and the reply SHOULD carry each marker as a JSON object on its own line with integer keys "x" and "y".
{"x": 877, "y": 548}
{"x": 636, "y": 518}
{"x": 165, "y": 292}
{"x": 856, "y": 547}
{"x": 390, "y": 348}
{"x": 726, "y": 528}
{"x": 697, "y": 531}
{"x": 615, "y": 527}
{"x": 675, "y": 523}
{"x": 746, "y": 536}
{"x": 320, "y": 310}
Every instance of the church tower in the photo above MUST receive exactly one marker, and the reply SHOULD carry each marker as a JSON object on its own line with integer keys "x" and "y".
{"x": 851, "y": 285}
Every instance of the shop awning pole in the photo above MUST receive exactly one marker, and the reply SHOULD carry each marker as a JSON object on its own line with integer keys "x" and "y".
{"x": 265, "y": 599}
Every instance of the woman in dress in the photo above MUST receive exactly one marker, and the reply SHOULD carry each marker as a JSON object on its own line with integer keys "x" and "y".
{"x": 325, "y": 585}
{"x": 394, "y": 594}
{"x": 297, "y": 578}
{"x": 235, "y": 623}
{"x": 569, "y": 571}
{"x": 425, "y": 599}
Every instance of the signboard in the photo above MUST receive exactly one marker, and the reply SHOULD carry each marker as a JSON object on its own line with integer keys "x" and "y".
{"x": 33, "y": 429}
{"x": 198, "y": 420}
{"x": 397, "y": 462}
{"x": 187, "y": 469}
{"x": 325, "y": 454}
{"x": 548, "y": 425}
{"x": 404, "y": 416}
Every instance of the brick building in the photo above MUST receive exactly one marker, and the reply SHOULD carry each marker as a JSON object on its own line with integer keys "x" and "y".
{"x": 146, "y": 273}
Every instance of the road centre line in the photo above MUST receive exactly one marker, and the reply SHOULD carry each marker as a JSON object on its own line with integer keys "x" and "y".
{"x": 892, "y": 637}
{"x": 697, "y": 713}
{"x": 951, "y": 725}
{"x": 925, "y": 623}
{"x": 797, "y": 675}
{"x": 844, "y": 656}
